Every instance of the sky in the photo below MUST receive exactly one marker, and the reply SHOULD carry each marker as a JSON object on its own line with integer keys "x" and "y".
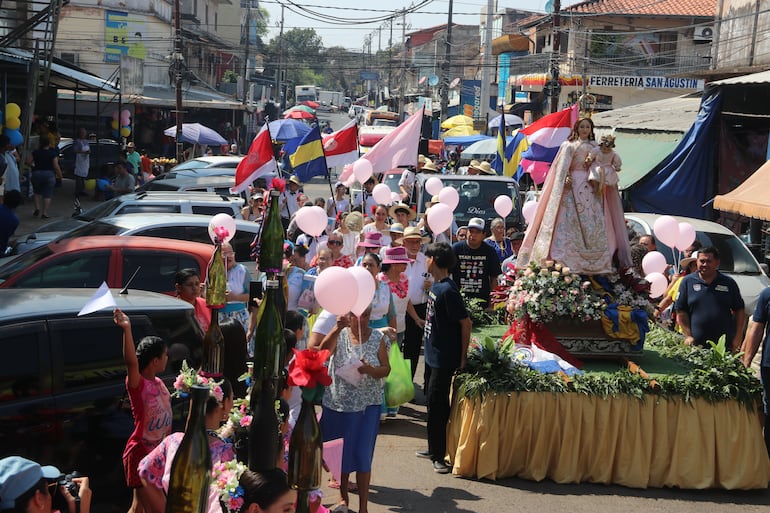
{"x": 351, "y": 33}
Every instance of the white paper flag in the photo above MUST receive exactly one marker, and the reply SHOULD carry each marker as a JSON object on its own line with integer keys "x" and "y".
{"x": 100, "y": 300}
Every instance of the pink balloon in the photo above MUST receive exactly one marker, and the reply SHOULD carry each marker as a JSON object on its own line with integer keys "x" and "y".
{"x": 362, "y": 169}
{"x": 666, "y": 229}
{"x": 658, "y": 284}
{"x": 654, "y": 262}
{"x": 381, "y": 193}
{"x": 328, "y": 286}
{"x": 449, "y": 197}
{"x": 395, "y": 197}
{"x": 686, "y": 236}
{"x": 366, "y": 288}
{"x": 311, "y": 220}
{"x": 347, "y": 172}
{"x": 503, "y": 205}
{"x": 440, "y": 217}
{"x": 528, "y": 210}
{"x": 222, "y": 222}
{"x": 433, "y": 185}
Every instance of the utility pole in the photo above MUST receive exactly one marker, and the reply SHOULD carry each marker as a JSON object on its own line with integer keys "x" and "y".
{"x": 486, "y": 64}
{"x": 278, "y": 77}
{"x": 445, "y": 67}
{"x": 178, "y": 77}
{"x": 390, "y": 50}
{"x": 556, "y": 37}
{"x": 247, "y": 32}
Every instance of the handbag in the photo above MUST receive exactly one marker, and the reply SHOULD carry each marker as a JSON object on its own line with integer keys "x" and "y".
{"x": 399, "y": 388}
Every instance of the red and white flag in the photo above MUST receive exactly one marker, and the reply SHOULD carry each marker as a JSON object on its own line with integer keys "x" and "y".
{"x": 341, "y": 147}
{"x": 398, "y": 148}
{"x": 258, "y": 161}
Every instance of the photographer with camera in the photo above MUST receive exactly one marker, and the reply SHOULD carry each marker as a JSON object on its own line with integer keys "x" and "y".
{"x": 26, "y": 487}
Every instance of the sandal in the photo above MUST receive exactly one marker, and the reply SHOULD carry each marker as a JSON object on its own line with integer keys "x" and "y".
{"x": 340, "y": 508}
{"x": 335, "y": 485}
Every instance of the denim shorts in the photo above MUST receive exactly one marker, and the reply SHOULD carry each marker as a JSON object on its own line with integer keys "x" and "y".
{"x": 43, "y": 183}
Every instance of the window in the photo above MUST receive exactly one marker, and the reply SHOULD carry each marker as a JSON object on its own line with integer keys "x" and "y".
{"x": 212, "y": 210}
{"x": 83, "y": 269}
{"x": 146, "y": 209}
{"x": 156, "y": 269}
{"x": 21, "y": 375}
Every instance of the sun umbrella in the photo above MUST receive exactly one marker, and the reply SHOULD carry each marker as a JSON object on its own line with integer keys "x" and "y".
{"x": 483, "y": 150}
{"x": 456, "y": 121}
{"x": 459, "y": 131}
{"x": 510, "y": 120}
{"x": 298, "y": 114}
{"x": 195, "y": 133}
{"x": 310, "y": 103}
{"x": 300, "y": 107}
{"x": 285, "y": 129}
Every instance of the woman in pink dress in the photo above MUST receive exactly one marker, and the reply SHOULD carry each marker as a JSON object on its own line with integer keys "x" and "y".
{"x": 569, "y": 225}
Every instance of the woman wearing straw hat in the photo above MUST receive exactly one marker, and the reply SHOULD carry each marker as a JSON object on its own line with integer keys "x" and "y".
{"x": 403, "y": 214}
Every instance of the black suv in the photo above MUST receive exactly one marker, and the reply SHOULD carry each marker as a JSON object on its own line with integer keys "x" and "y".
{"x": 63, "y": 399}
{"x": 104, "y": 154}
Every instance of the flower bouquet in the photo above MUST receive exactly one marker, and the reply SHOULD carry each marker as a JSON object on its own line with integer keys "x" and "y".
{"x": 226, "y": 479}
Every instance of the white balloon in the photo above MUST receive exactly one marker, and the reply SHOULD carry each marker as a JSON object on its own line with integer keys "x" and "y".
{"x": 654, "y": 262}
{"x": 362, "y": 169}
{"x": 395, "y": 197}
{"x": 503, "y": 205}
{"x": 311, "y": 220}
{"x": 439, "y": 217}
{"x": 666, "y": 230}
{"x": 528, "y": 210}
{"x": 381, "y": 193}
{"x": 434, "y": 185}
{"x": 686, "y": 236}
{"x": 449, "y": 197}
{"x": 222, "y": 221}
{"x": 658, "y": 284}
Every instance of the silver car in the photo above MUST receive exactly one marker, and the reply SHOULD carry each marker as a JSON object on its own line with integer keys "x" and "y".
{"x": 736, "y": 261}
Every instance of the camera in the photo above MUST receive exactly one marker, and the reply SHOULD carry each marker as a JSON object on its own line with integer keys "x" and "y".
{"x": 72, "y": 487}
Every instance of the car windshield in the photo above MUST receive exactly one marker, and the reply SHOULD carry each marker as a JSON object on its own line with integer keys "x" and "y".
{"x": 162, "y": 185}
{"x": 191, "y": 164}
{"x": 93, "y": 228}
{"x": 99, "y": 211}
{"x": 477, "y": 198}
{"x": 23, "y": 261}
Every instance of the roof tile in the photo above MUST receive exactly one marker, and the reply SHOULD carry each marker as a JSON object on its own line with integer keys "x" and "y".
{"x": 646, "y": 7}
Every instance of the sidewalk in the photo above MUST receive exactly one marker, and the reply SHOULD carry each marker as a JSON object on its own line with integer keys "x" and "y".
{"x": 62, "y": 206}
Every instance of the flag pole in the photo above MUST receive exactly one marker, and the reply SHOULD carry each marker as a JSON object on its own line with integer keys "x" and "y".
{"x": 328, "y": 177}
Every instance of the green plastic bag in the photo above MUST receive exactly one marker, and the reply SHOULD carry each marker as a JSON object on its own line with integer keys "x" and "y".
{"x": 399, "y": 388}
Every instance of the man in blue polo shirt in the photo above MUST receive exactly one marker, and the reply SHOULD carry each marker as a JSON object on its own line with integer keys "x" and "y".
{"x": 757, "y": 333}
{"x": 710, "y": 304}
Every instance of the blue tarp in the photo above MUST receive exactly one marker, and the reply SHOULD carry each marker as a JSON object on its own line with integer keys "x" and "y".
{"x": 465, "y": 140}
{"x": 684, "y": 181}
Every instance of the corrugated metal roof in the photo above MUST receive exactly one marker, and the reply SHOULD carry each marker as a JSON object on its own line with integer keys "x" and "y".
{"x": 645, "y": 7}
{"x": 763, "y": 77}
{"x": 670, "y": 115}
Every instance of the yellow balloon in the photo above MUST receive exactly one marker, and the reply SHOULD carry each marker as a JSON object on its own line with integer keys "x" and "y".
{"x": 114, "y": 124}
{"x": 125, "y": 131}
{"x": 12, "y": 111}
{"x": 13, "y": 123}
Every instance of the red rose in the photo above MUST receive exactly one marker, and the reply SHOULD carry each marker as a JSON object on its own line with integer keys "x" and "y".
{"x": 308, "y": 370}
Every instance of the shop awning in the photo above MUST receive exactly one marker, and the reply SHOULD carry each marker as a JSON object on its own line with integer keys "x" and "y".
{"x": 62, "y": 75}
{"x": 193, "y": 97}
{"x": 641, "y": 152}
{"x": 750, "y": 198}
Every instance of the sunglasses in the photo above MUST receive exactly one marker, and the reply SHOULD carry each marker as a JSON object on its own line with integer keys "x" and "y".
{"x": 334, "y": 242}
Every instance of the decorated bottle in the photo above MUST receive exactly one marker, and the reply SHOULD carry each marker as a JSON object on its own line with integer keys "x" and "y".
{"x": 264, "y": 437}
{"x": 213, "y": 348}
{"x": 188, "y": 487}
{"x": 216, "y": 280}
{"x": 305, "y": 450}
{"x": 271, "y": 240}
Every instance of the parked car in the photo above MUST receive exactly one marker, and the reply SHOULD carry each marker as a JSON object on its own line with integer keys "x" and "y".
{"x": 189, "y": 227}
{"x": 477, "y": 197}
{"x": 219, "y": 184}
{"x": 86, "y": 262}
{"x": 103, "y": 156}
{"x": 156, "y": 202}
{"x": 230, "y": 161}
{"x": 62, "y": 378}
{"x": 736, "y": 261}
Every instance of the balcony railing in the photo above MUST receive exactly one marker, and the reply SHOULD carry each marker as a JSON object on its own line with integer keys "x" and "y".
{"x": 656, "y": 66}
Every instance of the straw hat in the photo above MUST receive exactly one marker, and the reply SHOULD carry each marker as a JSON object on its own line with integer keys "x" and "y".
{"x": 402, "y": 206}
{"x": 412, "y": 232}
{"x": 354, "y": 221}
{"x": 683, "y": 263}
{"x": 397, "y": 229}
{"x": 486, "y": 168}
{"x": 474, "y": 164}
{"x": 295, "y": 180}
{"x": 429, "y": 167}
{"x": 396, "y": 255}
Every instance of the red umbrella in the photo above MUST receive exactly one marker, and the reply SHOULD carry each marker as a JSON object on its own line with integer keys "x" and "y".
{"x": 310, "y": 103}
{"x": 298, "y": 114}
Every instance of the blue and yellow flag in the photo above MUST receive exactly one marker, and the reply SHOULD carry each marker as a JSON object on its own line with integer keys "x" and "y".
{"x": 308, "y": 159}
{"x": 499, "y": 163}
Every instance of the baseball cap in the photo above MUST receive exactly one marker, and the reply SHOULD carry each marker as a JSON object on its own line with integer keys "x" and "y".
{"x": 18, "y": 475}
{"x": 477, "y": 223}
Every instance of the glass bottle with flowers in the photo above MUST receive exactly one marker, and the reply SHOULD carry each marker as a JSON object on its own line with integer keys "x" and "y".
{"x": 307, "y": 370}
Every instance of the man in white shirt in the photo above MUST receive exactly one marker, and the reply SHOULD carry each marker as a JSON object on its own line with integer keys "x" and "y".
{"x": 419, "y": 286}
{"x": 10, "y": 178}
{"x": 366, "y": 196}
{"x": 82, "y": 151}
{"x": 288, "y": 200}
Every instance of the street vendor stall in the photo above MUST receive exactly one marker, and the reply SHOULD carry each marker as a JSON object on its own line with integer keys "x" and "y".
{"x": 692, "y": 424}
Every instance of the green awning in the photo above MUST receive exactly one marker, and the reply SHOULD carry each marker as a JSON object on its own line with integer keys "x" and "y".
{"x": 641, "y": 152}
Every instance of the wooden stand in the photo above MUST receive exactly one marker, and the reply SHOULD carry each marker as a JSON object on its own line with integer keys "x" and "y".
{"x": 587, "y": 339}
